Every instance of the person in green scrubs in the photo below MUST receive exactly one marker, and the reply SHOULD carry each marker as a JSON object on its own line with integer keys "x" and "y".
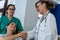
{"x": 4, "y": 20}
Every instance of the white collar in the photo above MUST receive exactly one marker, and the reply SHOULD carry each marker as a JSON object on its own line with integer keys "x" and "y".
{"x": 46, "y": 14}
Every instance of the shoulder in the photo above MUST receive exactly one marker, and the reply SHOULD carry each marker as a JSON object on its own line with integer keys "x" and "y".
{"x": 2, "y": 17}
{"x": 16, "y": 18}
{"x": 51, "y": 16}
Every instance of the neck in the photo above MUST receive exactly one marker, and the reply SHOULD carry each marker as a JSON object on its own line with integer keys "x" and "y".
{"x": 9, "y": 32}
{"x": 10, "y": 16}
{"x": 44, "y": 12}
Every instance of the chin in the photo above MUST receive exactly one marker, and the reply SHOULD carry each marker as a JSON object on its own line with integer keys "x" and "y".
{"x": 11, "y": 15}
{"x": 39, "y": 11}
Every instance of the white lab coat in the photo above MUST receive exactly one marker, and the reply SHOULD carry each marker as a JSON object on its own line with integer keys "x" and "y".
{"x": 47, "y": 31}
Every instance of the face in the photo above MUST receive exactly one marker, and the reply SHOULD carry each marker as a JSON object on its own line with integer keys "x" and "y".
{"x": 10, "y": 10}
{"x": 40, "y": 7}
{"x": 12, "y": 27}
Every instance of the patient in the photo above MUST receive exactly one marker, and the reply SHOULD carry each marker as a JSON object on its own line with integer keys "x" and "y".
{"x": 11, "y": 28}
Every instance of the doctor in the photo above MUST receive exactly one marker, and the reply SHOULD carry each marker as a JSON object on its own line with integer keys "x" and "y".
{"x": 46, "y": 25}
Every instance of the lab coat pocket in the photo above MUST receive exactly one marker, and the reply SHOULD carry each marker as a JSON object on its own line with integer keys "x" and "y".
{"x": 42, "y": 29}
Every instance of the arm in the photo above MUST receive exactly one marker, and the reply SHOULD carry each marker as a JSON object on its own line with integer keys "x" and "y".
{"x": 22, "y": 35}
{"x": 11, "y": 37}
{"x": 2, "y": 38}
{"x": 28, "y": 34}
{"x": 31, "y": 34}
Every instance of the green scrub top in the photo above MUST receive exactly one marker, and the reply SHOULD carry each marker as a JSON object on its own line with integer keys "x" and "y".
{"x": 4, "y": 21}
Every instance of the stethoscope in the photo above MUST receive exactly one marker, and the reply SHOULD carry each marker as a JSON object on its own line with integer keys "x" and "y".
{"x": 45, "y": 18}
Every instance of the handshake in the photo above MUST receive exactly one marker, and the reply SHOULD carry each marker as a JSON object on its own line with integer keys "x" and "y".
{"x": 23, "y": 35}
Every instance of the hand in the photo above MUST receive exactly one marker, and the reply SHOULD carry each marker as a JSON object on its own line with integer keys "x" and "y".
{"x": 23, "y": 35}
{"x": 2, "y": 38}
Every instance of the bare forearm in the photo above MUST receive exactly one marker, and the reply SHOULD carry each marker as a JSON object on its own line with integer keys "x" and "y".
{"x": 12, "y": 37}
{"x": 22, "y": 35}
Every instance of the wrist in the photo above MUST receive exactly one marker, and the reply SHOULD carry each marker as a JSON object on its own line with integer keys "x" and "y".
{"x": 18, "y": 35}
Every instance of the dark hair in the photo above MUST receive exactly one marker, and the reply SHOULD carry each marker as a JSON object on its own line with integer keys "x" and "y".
{"x": 9, "y": 6}
{"x": 49, "y": 4}
{"x": 8, "y": 25}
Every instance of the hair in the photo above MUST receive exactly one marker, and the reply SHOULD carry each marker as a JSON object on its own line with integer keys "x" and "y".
{"x": 8, "y": 25}
{"x": 49, "y": 4}
{"x": 9, "y": 6}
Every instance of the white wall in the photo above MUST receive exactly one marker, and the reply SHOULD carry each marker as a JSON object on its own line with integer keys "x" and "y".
{"x": 26, "y": 12}
{"x": 20, "y": 10}
{"x": 30, "y": 15}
